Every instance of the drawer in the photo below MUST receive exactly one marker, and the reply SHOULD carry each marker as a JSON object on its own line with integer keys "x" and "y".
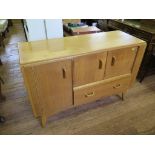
{"x": 97, "y": 90}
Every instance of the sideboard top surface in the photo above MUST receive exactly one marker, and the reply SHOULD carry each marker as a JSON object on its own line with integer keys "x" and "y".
{"x": 43, "y": 50}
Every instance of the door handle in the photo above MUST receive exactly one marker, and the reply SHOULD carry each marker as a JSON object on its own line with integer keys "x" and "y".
{"x": 100, "y": 64}
{"x": 113, "y": 60}
{"x": 117, "y": 86}
{"x": 89, "y": 94}
{"x": 63, "y": 73}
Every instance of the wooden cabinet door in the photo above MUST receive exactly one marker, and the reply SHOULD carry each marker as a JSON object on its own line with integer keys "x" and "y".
{"x": 120, "y": 61}
{"x": 89, "y": 68}
{"x": 54, "y": 86}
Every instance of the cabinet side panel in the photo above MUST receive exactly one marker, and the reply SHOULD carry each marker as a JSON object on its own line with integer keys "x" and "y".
{"x": 138, "y": 60}
{"x": 30, "y": 83}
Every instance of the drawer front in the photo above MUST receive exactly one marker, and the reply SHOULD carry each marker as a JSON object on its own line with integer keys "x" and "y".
{"x": 89, "y": 93}
{"x": 120, "y": 61}
{"x": 89, "y": 68}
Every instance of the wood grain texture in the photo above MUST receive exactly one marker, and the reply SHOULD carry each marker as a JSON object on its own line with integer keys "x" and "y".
{"x": 52, "y": 79}
{"x": 54, "y": 86}
{"x": 137, "y": 63}
{"x": 120, "y": 61}
{"x": 143, "y": 29}
{"x": 51, "y": 49}
{"x": 95, "y": 91}
{"x": 135, "y": 115}
{"x": 50, "y": 87}
{"x": 89, "y": 68}
{"x": 28, "y": 75}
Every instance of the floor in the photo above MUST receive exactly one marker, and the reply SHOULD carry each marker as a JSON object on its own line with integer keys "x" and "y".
{"x": 111, "y": 115}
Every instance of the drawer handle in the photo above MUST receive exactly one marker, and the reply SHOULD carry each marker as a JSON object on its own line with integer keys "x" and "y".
{"x": 63, "y": 73}
{"x": 117, "y": 86}
{"x": 90, "y": 94}
{"x": 100, "y": 64}
{"x": 113, "y": 60}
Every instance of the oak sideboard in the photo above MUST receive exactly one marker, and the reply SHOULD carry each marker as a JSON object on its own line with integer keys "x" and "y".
{"x": 68, "y": 72}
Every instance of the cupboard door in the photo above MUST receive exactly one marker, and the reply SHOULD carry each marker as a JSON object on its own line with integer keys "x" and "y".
{"x": 120, "y": 61}
{"x": 54, "y": 86}
{"x": 89, "y": 68}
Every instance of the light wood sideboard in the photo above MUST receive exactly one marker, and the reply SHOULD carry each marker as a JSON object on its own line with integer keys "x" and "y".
{"x": 71, "y": 71}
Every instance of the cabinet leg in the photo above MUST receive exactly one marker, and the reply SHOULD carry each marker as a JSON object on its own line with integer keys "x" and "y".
{"x": 1, "y": 62}
{"x": 122, "y": 96}
{"x": 43, "y": 121}
{"x": 2, "y": 97}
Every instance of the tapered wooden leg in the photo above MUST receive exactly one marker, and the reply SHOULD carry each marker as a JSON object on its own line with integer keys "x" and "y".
{"x": 43, "y": 121}
{"x": 1, "y": 62}
{"x": 2, "y": 97}
{"x": 122, "y": 96}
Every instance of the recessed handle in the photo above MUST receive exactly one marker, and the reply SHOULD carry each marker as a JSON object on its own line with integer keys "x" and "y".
{"x": 113, "y": 60}
{"x": 90, "y": 94}
{"x": 117, "y": 86}
{"x": 63, "y": 73}
{"x": 100, "y": 64}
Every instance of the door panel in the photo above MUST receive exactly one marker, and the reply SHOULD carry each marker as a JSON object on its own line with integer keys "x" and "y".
{"x": 120, "y": 61}
{"x": 54, "y": 86}
{"x": 89, "y": 68}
